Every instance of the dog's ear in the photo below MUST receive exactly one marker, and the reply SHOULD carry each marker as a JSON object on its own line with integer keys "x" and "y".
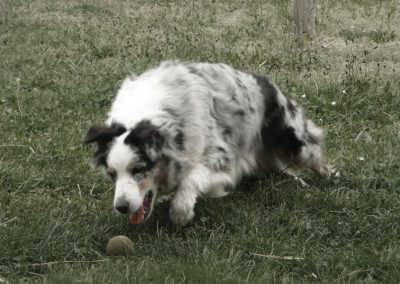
{"x": 148, "y": 139}
{"x": 103, "y": 134}
{"x": 99, "y": 134}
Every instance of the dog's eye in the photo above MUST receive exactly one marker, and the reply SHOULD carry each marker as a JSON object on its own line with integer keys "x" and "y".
{"x": 142, "y": 168}
{"x": 138, "y": 170}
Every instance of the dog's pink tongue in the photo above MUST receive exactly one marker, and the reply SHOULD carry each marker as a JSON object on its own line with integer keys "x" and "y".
{"x": 138, "y": 216}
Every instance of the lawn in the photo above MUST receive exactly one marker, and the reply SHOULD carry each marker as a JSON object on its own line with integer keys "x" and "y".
{"x": 61, "y": 64}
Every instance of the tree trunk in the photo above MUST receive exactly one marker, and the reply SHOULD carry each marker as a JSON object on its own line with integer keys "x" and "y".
{"x": 304, "y": 17}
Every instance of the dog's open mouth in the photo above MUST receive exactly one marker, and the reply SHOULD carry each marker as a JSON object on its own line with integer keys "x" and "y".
{"x": 142, "y": 213}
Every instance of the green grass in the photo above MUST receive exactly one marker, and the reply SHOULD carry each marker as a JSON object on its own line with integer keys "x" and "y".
{"x": 378, "y": 36}
{"x": 61, "y": 64}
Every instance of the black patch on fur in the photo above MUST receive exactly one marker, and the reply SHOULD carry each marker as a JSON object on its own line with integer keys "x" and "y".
{"x": 291, "y": 108}
{"x": 178, "y": 168}
{"x": 270, "y": 94}
{"x": 180, "y": 140}
{"x": 215, "y": 103}
{"x": 240, "y": 112}
{"x": 145, "y": 136}
{"x": 221, "y": 149}
{"x": 171, "y": 111}
{"x": 146, "y": 167}
{"x": 239, "y": 83}
{"x": 103, "y": 135}
{"x": 195, "y": 71}
{"x": 227, "y": 132}
{"x": 276, "y": 135}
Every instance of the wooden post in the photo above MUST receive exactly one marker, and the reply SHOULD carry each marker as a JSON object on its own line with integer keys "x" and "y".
{"x": 304, "y": 17}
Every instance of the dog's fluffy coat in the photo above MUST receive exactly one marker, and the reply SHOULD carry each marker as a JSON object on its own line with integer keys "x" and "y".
{"x": 194, "y": 129}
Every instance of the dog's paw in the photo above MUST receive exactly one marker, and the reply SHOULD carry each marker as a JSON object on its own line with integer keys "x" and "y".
{"x": 181, "y": 214}
{"x": 330, "y": 170}
{"x": 323, "y": 169}
{"x": 301, "y": 181}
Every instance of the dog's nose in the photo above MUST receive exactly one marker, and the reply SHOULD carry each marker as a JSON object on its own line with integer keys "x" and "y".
{"x": 122, "y": 207}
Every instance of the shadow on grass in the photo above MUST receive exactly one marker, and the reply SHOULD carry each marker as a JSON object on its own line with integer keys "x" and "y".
{"x": 256, "y": 194}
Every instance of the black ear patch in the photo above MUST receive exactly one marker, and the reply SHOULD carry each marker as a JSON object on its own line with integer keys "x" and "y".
{"x": 102, "y": 135}
{"x": 148, "y": 139}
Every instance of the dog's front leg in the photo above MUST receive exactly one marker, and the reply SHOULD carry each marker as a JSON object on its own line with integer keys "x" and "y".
{"x": 191, "y": 186}
{"x": 182, "y": 206}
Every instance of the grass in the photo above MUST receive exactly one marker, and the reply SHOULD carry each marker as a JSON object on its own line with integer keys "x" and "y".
{"x": 62, "y": 62}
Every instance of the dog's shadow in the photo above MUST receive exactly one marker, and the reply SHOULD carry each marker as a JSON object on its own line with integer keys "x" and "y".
{"x": 267, "y": 191}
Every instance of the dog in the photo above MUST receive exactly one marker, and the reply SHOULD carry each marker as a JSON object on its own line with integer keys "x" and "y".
{"x": 194, "y": 130}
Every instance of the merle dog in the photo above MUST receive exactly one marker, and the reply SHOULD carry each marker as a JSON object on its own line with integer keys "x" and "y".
{"x": 194, "y": 129}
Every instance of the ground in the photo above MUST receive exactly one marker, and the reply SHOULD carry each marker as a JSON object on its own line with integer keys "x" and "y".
{"x": 61, "y": 64}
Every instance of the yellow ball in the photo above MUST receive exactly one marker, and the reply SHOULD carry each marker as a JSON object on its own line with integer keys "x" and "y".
{"x": 119, "y": 246}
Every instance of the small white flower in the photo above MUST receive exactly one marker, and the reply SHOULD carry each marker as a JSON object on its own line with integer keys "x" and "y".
{"x": 303, "y": 96}
{"x": 314, "y": 275}
{"x": 361, "y": 158}
{"x": 337, "y": 174}
{"x": 333, "y": 103}
{"x": 344, "y": 92}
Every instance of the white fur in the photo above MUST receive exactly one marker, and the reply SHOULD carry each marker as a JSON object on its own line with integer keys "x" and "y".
{"x": 126, "y": 188}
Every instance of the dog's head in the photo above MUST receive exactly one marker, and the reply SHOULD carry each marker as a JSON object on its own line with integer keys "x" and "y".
{"x": 131, "y": 159}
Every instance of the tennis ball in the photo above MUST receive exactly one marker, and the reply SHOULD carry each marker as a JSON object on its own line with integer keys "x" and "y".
{"x": 119, "y": 246}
